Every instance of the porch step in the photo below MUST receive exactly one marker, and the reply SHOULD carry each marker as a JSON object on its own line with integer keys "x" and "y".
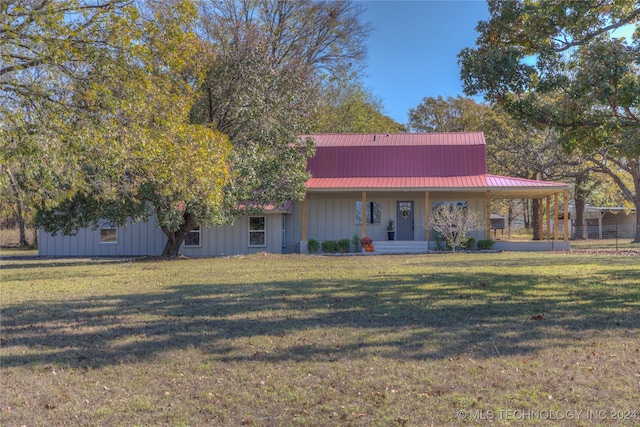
{"x": 399, "y": 247}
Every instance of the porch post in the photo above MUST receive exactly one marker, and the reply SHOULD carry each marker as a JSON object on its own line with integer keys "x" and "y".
{"x": 487, "y": 214}
{"x": 540, "y": 219}
{"x": 548, "y": 217}
{"x": 304, "y": 218}
{"x": 555, "y": 216}
{"x": 364, "y": 214}
{"x": 427, "y": 213}
{"x": 600, "y": 215}
{"x": 566, "y": 215}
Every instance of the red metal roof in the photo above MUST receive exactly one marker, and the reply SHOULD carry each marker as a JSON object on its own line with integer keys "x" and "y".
{"x": 425, "y": 183}
{"x": 500, "y": 186}
{"x": 398, "y": 155}
{"x": 397, "y": 139}
{"x": 423, "y": 162}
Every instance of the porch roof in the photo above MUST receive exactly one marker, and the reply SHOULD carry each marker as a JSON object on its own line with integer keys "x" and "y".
{"x": 500, "y": 186}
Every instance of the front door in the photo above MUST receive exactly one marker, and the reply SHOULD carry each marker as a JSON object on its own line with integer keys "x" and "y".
{"x": 404, "y": 220}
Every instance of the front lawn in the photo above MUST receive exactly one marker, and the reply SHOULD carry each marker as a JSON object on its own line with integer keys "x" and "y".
{"x": 266, "y": 340}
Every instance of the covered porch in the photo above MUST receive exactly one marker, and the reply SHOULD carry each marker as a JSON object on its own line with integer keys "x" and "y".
{"x": 417, "y": 204}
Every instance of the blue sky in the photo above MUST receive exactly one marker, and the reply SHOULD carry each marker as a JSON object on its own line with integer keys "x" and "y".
{"x": 413, "y": 49}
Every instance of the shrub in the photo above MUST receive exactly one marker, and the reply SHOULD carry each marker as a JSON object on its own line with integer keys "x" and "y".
{"x": 312, "y": 246}
{"x": 355, "y": 241}
{"x": 485, "y": 244}
{"x": 329, "y": 246}
{"x": 343, "y": 246}
{"x": 468, "y": 244}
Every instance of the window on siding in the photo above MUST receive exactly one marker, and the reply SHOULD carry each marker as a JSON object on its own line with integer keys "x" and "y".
{"x": 374, "y": 212}
{"x": 108, "y": 232}
{"x": 257, "y": 232}
{"x": 193, "y": 238}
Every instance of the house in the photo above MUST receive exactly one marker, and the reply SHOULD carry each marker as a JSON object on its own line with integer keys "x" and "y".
{"x": 359, "y": 182}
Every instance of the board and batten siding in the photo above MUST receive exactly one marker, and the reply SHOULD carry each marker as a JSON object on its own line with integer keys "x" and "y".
{"x": 147, "y": 239}
{"x": 234, "y": 239}
{"x": 332, "y": 216}
{"x": 134, "y": 239}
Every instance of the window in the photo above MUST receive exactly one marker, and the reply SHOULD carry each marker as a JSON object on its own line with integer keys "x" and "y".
{"x": 257, "y": 235}
{"x": 108, "y": 232}
{"x": 193, "y": 237}
{"x": 374, "y": 213}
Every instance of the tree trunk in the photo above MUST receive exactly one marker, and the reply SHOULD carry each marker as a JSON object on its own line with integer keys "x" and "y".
{"x": 579, "y": 197}
{"x": 19, "y": 209}
{"x": 172, "y": 248}
{"x": 535, "y": 218}
{"x": 636, "y": 239}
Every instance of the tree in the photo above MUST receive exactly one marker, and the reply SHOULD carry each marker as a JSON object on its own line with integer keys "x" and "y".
{"x": 560, "y": 64}
{"x": 347, "y": 107}
{"x": 327, "y": 35}
{"x": 137, "y": 152}
{"x": 45, "y": 47}
{"x": 453, "y": 221}
{"x": 262, "y": 89}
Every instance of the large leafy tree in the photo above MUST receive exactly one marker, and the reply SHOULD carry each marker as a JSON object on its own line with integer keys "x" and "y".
{"x": 262, "y": 89}
{"x": 347, "y": 107}
{"x": 567, "y": 65}
{"x": 45, "y": 48}
{"x": 123, "y": 127}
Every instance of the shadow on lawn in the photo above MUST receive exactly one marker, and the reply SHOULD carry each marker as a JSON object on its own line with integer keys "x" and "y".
{"x": 393, "y": 316}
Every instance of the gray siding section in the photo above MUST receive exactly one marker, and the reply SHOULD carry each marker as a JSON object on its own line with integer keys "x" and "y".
{"x": 146, "y": 238}
{"x": 234, "y": 239}
{"x": 331, "y": 216}
{"x": 137, "y": 239}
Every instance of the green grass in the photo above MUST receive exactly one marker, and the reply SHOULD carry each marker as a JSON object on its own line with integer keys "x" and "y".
{"x": 314, "y": 340}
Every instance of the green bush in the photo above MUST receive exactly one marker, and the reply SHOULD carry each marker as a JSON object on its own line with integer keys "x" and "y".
{"x": 355, "y": 241}
{"x": 312, "y": 246}
{"x": 329, "y": 246}
{"x": 343, "y": 246}
{"x": 485, "y": 244}
{"x": 469, "y": 243}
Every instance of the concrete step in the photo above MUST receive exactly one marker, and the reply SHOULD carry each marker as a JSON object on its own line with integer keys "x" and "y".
{"x": 399, "y": 247}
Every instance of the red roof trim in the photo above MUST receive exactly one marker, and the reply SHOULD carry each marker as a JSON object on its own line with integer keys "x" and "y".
{"x": 484, "y": 181}
{"x": 396, "y": 139}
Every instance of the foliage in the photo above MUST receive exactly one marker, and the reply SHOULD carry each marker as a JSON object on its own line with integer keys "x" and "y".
{"x": 567, "y": 65}
{"x": 355, "y": 241}
{"x": 347, "y": 107}
{"x": 452, "y": 222}
{"x": 343, "y": 246}
{"x": 312, "y": 246}
{"x": 485, "y": 245}
{"x": 151, "y": 159}
{"x": 390, "y": 225}
{"x": 468, "y": 244}
{"x": 329, "y": 246}
{"x": 263, "y": 110}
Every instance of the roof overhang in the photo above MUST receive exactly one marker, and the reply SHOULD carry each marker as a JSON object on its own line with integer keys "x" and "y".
{"x": 499, "y": 186}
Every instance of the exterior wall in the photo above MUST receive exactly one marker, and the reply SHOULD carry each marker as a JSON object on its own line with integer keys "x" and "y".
{"x": 331, "y": 216}
{"x": 234, "y": 239}
{"x": 147, "y": 239}
{"x": 137, "y": 239}
{"x": 614, "y": 223}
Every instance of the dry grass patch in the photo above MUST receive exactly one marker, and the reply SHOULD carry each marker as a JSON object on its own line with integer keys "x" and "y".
{"x": 286, "y": 340}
